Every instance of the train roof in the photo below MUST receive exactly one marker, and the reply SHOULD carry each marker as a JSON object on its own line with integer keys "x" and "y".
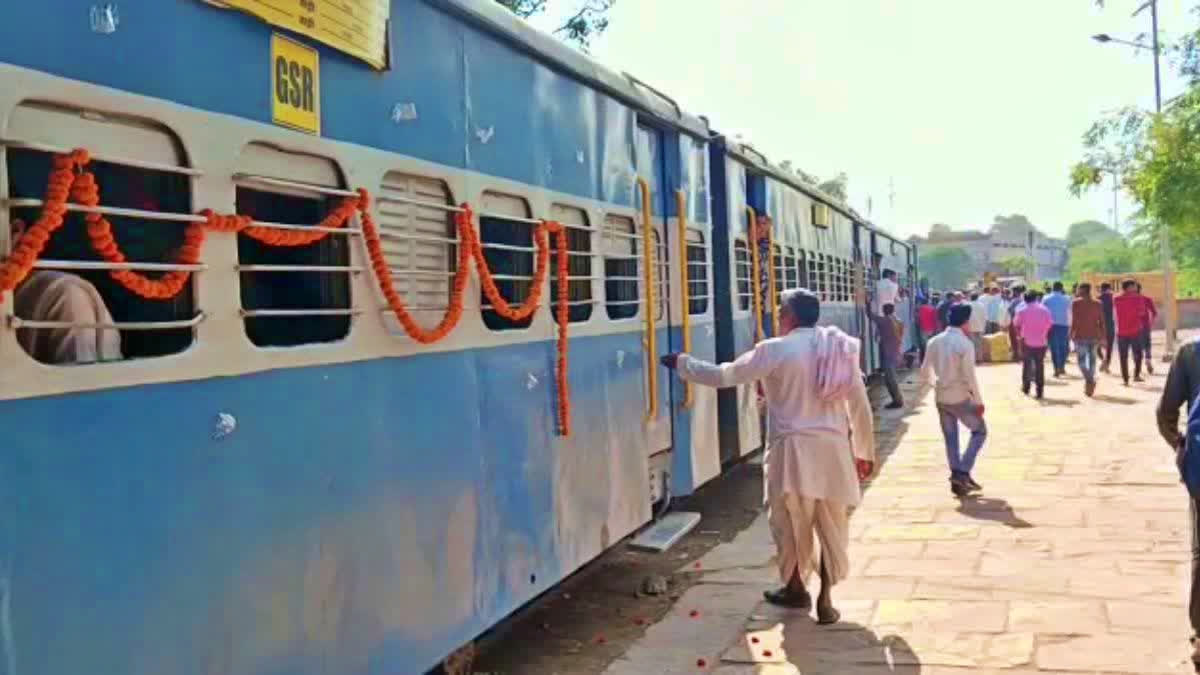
{"x": 749, "y": 155}
{"x": 498, "y": 20}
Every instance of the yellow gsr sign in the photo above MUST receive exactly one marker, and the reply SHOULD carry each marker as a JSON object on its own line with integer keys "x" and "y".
{"x": 295, "y": 85}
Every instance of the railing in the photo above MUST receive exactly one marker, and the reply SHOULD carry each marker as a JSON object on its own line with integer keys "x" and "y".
{"x": 684, "y": 292}
{"x": 650, "y": 342}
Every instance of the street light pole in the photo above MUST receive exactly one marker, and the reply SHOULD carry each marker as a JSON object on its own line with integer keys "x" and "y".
{"x": 1163, "y": 230}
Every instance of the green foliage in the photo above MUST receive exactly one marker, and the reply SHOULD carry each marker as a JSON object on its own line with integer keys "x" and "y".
{"x": 939, "y": 230}
{"x": 1112, "y": 254}
{"x": 1014, "y": 219}
{"x": 1157, "y": 161}
{"x": 590, "y": 18}
{"x": 1017, "y": 265}
{"x": 1086, "y": 231}
{"x": 836, "y": 186}
{"x": 945, "y": 267}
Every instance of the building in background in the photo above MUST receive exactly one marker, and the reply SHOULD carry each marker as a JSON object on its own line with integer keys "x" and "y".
{"x": 1005, "y": 244}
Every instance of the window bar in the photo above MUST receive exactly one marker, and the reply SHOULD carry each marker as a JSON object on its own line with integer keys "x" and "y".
{"x": 95, "y": 265}
{"x": 18, "y": 322}
{"x": 349, "y": 311}
{"x": 294, "y": 184}
{"x": 350, "y": 269}
{"x": 111, "y": 159}
{"x": 414, "y": 202}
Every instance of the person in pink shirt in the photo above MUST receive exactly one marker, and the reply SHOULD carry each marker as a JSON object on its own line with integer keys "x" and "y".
{"x": 1033, "y": 324}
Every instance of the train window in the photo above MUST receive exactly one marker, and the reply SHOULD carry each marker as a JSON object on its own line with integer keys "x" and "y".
{"x": 419, "y": 239}
{"x": 697, "y": 267}
{"x": 138, "y": 165}
{"x": 844, "y": 275}
{"x": 292, "y": 295}
{"x": 822, "y": 287}
{"x": 802, "y": 269}
{"x": 621, "y": 281}
{"x": 506, "y": 237}
{"x": 660, "y": 264}
{"x": 741, "y": 257}
{"x": 579, "y": 263}
{"x": 790, "y": 278}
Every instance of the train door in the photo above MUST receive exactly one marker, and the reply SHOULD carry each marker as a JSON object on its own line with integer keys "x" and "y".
{"x": 658, "y": 179}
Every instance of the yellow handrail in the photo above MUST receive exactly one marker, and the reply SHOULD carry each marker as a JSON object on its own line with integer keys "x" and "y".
{"x": 755, "y": 286}
{"x": 771, "y": 284}
{"x": 650, "y": 343}
{"x": 684, "y": 293}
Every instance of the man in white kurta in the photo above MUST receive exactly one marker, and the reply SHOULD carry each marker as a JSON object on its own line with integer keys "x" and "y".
{"x": 813, "y": 442}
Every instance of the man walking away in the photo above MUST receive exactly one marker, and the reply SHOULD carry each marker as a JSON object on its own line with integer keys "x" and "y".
{"x": 1060, "y": 311}
{"x": 943, "y": 309}
{"x": 1182, "y": 388}
{"x": 1110, "y": 324}
{"x": 1033, "y": 322}
{"x": 1014, "y": 336}
{"x": 977, "y": 324}
{"x": 927, "y": 322}
{"x": 950, "y": 358}
{"x": 1151, "y": 315}
{"x": 891, "y": 333}
{"x": 1131, "y": 313}
{"x": 887, "y": 291}
{"x": 820, "y": 442}
{"x": 995, "y": 310}
{"x": 1087, "y": 330}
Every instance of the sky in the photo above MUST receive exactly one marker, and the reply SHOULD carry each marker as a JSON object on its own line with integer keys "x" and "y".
{"x": 969, "y": 108}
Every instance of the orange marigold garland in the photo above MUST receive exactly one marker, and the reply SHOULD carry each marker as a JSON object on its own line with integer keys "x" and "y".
{"x": 69, "y": 180}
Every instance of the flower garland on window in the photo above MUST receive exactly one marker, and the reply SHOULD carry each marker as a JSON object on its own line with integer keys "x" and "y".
{"x": 70, "y": 180}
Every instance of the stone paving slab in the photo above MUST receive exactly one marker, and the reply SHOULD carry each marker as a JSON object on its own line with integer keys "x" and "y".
{"x": 1075, "y": 560}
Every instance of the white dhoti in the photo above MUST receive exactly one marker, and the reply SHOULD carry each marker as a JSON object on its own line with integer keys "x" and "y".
{"x": 808, "y": 531}
{"x": 811, "y": 483}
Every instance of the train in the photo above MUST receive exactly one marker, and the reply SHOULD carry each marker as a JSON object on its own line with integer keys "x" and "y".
{"x": 390, "y": 299}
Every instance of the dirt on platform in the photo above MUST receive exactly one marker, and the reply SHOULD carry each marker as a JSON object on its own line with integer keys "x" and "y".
{"x": 589, "y": 620}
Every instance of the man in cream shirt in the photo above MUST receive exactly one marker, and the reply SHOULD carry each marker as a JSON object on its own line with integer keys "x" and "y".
{"x": 951, "y": 358}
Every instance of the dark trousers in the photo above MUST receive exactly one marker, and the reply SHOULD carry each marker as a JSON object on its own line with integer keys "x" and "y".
{"x": 1124, "y": 344}
{"x": 1014, "y": 338}
{"x": 1106, "y": 347}
{"x": 1194, "y": 595}
{"x": 1146, "y": 346}
{"x": 1033, "y": 368}
{"x": 893, "y": 386}
{"x": 1060, "y": 347}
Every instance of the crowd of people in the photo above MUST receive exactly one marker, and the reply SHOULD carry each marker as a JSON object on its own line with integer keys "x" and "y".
{"x": 1044, "y": 321}
{"x": 820, "y": 441}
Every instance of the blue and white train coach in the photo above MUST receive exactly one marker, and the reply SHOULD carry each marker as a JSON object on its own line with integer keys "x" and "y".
{"x": 275, "y": 477}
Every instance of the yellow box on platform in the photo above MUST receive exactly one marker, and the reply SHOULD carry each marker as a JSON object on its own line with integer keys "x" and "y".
{"x": 996, "y": 347}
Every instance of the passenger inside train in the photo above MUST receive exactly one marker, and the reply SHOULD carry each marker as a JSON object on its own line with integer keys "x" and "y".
{"x": 61, "y": 297}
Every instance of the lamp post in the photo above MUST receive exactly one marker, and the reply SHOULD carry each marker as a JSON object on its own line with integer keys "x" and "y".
{"x": 1164, "y": 238}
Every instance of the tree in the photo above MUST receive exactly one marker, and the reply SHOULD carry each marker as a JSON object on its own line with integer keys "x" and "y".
{"x": 836, "y": 186}
{"x": 1017, "y": 265}
{"x": 1112, "y": 254}
{"x": 939, "y": 230}
{"x": 946, "y": 267}
{"x": 1086, "y": 231}
{"x": 590, "y": 18}
{"x": 1015, "y": 219}
{"x": 1156, "y": 158}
